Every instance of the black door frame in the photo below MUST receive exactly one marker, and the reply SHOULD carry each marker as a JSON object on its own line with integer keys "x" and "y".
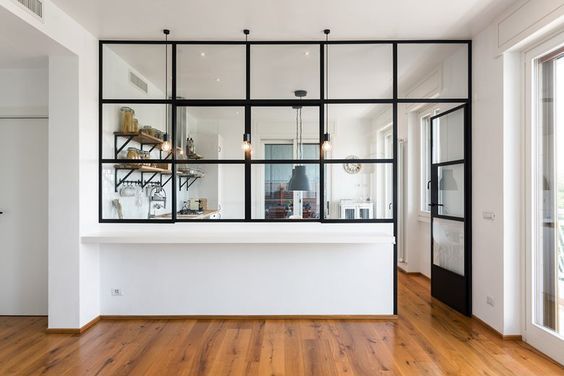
{"x": 451, "y": 288}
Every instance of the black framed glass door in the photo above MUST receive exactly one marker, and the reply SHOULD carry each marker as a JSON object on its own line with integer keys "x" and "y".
{"x": 450, "y": 225}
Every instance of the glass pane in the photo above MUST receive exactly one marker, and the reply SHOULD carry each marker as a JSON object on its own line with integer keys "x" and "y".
{"x": 210, "y": 191}
{"x": 448, "y": 245}
{"x": 358, "y": 191}
{"x": 448, "y": 137}
{"x": 135, "y": 71}
{"x": 272, "y": 198}
{"x": 432, "y": 70}
{"x": 548, "y": 273}
{"x": 136, "y": 191}
{"x": 451, "y": 190}
{"x": 359, "y": 71}
{"x": 138, "y": 127}
{"x": 279, "y": 70}
{"x": 211, "y": 72}
{"x": 360, "y": 130}
{"x": 286, "y": 125}
{"x": 210, "y": 132}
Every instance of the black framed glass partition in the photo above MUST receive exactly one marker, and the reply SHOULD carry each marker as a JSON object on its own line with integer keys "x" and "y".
{"x": 200, "y": 131}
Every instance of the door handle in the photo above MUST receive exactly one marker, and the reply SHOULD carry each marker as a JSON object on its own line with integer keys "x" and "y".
{"x": 433, "y": 204}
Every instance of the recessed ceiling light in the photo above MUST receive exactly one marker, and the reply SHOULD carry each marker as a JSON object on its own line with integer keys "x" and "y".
{"x": 237, "y": 113}
{"x": 306, "y": 53}
{"x": 218, "y": 79}
{"x": 202, "y": 54}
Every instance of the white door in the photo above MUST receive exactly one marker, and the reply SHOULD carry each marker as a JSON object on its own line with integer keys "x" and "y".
{"x": 23, "y": 222}
{"x": 544, "y": 261}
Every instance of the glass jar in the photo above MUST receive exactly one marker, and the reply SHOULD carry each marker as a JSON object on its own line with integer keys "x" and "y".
{"x": 127, "y": 115}
{"x": 145, "y": 155}
{"x": 133, "y": 153}
{"x": 135, "y": 127}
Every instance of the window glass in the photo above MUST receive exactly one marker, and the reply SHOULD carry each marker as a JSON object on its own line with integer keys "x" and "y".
{"x": 360, "y": 130}
{"x": 279, "y": 70}
{"x": 284, "y": 125}
{"x": 211, "y": 72}
{"x": 432, "y": 70}
{"x": 360, "y": 71}
{"x": 134, "y": 126}
{"x": 272, "y": 194}
{"x": 210, "y": 191}
{"x": 210, "y": 132}
{"x": 358, "y": 191}
{"x": 136, "y": 191}
{"x": 136, "y": 71}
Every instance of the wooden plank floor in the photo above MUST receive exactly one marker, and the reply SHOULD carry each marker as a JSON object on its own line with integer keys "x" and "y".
{"x": 428, "y": 338}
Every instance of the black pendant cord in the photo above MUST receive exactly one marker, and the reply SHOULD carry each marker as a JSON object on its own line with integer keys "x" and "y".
{"x": 297, "y": 133}
{"x": 326, "y": 31}
{"x": 166, "y": 32}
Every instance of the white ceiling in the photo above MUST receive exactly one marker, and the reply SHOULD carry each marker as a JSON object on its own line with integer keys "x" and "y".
{"x": 289, "y": 19}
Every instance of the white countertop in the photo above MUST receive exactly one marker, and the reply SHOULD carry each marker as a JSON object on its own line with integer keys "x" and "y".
{"x": 242, "y": 234}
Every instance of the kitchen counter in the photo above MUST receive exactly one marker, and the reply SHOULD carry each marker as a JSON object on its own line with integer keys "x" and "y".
{"x": 207, "y": 214}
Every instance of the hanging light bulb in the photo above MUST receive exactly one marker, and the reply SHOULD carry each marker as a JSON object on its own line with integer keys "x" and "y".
{"x": 247, "y": 147}
{"x": 326, "y": 142}
{"x": 166, "y": 146}
{"x": 326, "y": 146}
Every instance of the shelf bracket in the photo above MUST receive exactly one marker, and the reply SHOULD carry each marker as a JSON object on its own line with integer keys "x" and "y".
{"x": 166, "y": 181}
{"x": 129, "y": 138}
{"x": 187, "y": 183}
{"x": 145, "y": 182}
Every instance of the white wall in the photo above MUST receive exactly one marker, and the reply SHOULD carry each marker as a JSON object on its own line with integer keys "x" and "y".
{"x": 24, "y": 91}
{"x": 258, "y": 279}
{"x": 23, "y": 270}
{"x": 497, "y": 159}
{"x": 73, "y": 164}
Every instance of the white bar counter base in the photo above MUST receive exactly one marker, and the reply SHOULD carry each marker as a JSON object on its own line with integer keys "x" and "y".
{"x": 242, "y": 233}
{"x": 245, "y": 269}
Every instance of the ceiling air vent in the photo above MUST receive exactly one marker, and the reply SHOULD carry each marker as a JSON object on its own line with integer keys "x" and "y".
{"x": 35, "y": 6}
{"x": 138, "y": 82}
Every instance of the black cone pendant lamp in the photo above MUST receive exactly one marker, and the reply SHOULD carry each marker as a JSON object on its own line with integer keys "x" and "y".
{"x": 299, "y": 181}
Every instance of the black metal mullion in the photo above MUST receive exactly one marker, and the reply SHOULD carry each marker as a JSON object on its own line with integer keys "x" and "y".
{"x": 468, "y": 187}
{"x": 290, "y": 42}
{"x": 100, "y": 126}
{"x": 174, "y": 141}
{"x": 395, "y": 169}
{"x": 248, "y": 130}
{"x": 322, "y": 115}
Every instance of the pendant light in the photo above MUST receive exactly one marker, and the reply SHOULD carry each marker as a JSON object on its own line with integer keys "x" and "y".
{"x": 299, "y": 181}
{"x": 166, "y": 145}
{"x": 247, "y": 146}
{"x": 326, "y": 145}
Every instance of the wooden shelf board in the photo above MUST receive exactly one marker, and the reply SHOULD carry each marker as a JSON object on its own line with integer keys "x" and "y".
{"x": 141, "y": 137}
{"x": 144, "y": 169}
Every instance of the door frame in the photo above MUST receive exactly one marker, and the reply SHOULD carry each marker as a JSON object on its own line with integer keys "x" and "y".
{"x": 532, "y": 333}
{"x": 439, "y": 274}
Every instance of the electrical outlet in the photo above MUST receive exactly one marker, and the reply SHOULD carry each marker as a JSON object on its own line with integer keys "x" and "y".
{"x": 117, "y": 292}
{"x": 488, "y": 215}
{"x": 490, "y": 301}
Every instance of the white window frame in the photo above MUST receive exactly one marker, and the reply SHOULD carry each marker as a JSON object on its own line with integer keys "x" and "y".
{"x": 425, "y": 158}
{"x": 534, "y": 334}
